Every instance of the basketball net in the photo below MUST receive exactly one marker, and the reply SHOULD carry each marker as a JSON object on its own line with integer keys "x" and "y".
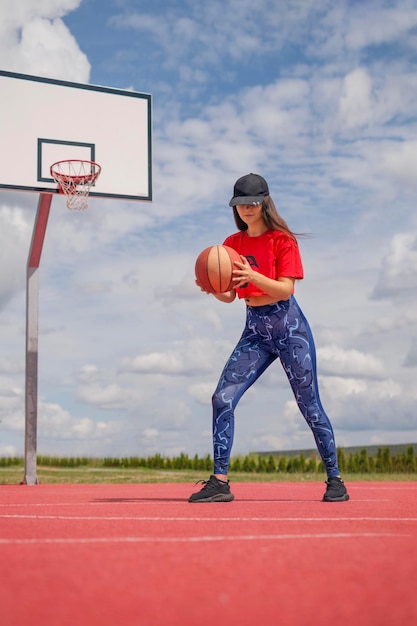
{"x": 75, "y": 179}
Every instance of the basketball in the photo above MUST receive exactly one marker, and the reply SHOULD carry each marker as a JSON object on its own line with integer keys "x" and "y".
{"x": 214, "y": 268}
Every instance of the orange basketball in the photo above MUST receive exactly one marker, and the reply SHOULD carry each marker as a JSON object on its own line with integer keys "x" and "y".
{"x": 214, "y": 267}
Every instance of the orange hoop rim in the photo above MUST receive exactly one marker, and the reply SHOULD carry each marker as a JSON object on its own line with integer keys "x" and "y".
{"x": 75, "y": 179}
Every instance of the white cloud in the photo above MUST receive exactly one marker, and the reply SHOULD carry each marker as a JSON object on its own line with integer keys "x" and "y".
{"x": 399, "y": 160}
{"x": 349, "y": 401}
{"x": 202, "y": 392}
{"x": 14, "y": 237}
{"x": 373, "y": 24}
{"x": 150, "y": 434}
{"x": 356, "y": 106}
{"x": 11, "y": 404}
{"x": 410, "y": 359}
{"x": 190, "y": 357}
{"x": 88, "y": 374}
{"x": 110, "y": 396}
{"x": 34, "y": 40}
{"x": 398, "y": 273}
{"x": 335, "y": 361}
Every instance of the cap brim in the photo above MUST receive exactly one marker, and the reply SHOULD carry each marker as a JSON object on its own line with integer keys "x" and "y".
{"x": 246, "y": 200}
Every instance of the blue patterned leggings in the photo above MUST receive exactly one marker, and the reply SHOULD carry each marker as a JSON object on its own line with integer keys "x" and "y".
{"x": 272, "y": 331}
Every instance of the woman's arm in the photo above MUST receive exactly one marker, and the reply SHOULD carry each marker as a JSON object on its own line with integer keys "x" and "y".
{"x": 227, "y": 296}
{"x": 281, "y": 288}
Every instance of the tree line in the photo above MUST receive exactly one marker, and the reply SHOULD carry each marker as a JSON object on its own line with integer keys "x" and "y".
{"x": 359, "y": 462}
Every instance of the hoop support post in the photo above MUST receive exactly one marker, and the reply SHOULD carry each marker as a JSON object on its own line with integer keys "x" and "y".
{"x": 32, "y": 308}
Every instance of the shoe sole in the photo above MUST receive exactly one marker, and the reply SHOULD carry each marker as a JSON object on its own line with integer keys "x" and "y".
{"x": 220, "y": 497}
{"x": 343, "y": 498}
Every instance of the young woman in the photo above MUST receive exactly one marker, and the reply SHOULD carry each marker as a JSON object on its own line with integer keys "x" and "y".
{"x": 275, "y": 328}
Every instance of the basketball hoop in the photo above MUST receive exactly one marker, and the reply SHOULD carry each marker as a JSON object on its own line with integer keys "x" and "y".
{"x": 75, "y": 179}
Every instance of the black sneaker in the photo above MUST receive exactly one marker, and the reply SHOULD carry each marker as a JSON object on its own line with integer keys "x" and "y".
{"x": 336, "y": 490}
{"x": 214, "y": 490}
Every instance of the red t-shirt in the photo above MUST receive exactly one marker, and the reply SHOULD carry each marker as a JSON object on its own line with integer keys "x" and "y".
{"x": 274, "y": 254}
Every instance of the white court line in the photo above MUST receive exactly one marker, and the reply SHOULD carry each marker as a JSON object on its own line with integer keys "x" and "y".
{"x": 208, "y": 538}
{"x": 141, "y": 518}
{"x": 412, "y": 484}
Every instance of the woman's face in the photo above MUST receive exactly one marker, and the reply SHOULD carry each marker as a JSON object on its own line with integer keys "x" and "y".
{"x": 251, "y": 214}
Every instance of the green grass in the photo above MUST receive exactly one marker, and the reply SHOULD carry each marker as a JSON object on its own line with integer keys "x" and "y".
{"x": 94, "y": 475}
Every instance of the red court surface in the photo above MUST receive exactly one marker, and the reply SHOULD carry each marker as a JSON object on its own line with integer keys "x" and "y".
{"x": 141, "y": 555}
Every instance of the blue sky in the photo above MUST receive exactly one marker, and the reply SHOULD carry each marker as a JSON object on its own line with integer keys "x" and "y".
{"x": 318, "y": 97}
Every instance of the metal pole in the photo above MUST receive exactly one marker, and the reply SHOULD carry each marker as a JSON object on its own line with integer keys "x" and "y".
{"x": 32, "y": 308}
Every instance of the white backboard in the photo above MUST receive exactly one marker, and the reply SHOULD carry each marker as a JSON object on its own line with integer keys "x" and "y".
{"x": 44, "y": 120}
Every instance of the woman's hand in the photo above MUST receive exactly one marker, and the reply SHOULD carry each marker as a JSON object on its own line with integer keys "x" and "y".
{"x": 202, "y": 288}
{"x": 243, "y": 273}
{"x": 227, "y": 296}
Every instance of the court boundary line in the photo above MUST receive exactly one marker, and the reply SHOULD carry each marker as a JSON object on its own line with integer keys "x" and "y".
{"x": 196, "y": 539}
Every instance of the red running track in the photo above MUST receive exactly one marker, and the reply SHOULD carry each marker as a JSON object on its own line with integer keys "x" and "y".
{"x": 141, "y": 555}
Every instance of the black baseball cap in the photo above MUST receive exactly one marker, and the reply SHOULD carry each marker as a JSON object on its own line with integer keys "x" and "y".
{"x": 249, "y": 189}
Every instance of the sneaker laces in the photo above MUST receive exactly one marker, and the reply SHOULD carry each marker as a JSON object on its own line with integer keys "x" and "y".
{"x": 201, "y": 482}
{"x": 211, "y": 484}
{"x": 334, "y": 480}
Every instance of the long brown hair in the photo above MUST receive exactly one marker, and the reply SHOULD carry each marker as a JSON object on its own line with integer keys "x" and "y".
{"x": 272, "y": 218}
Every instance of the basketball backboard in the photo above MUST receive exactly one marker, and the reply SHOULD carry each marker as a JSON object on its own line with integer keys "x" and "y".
{"x": 46, "y": 120}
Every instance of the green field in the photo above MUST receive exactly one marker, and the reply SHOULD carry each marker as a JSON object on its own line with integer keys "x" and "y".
{"x": 355, "y": 464}
{"x": 95, "y": 475}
